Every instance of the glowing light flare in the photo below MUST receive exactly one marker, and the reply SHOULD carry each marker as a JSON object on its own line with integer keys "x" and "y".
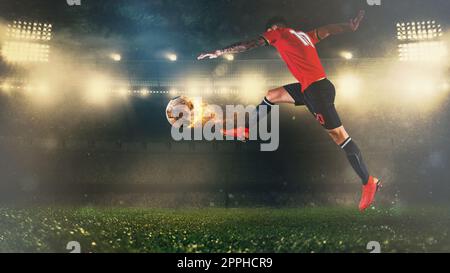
{"x": 174, "y": 91}
{"x": 432, "y": 51}
{"x": 195, "y": 86}
{"x": 25, "y": 52}
{"x": 41, "y": 94}
{"x": 421, "y": 86}
{"x": 229, "y": 57}
{"x": 346, "y": 55}
{"x": 98, "y": 90}
{"x": 115, "y": 57}
{"x": 252, "y": 87}
{"x": 221, "y": 70}
{"x": 445, "y": 86}
{"x": 349, "y": 86}
{"x": 123, "y": 92}
{"x": 418, "y": 87}
{"x": 422, "y": 92}
{"x": 28, "y": 88}
{"x": 144, "y": 92}
{"x": 6, "y": 87}
{"x": 172, "y": 57}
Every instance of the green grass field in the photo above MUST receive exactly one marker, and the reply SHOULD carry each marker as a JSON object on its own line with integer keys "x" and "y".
{"x": 223, "y": 230}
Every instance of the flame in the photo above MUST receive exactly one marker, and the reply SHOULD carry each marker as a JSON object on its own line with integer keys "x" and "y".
{"x": 200, "y": 113}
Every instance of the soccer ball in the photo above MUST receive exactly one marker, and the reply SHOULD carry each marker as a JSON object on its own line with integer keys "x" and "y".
{"x": 178, "y": 102}
{"x": 199, "y": 112}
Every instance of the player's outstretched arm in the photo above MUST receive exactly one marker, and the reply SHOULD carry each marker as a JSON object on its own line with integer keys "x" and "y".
{"x": 234, "y": 48}
{"x": 333, "y": 29}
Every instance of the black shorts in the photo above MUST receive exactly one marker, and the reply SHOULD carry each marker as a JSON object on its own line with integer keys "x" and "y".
{"x": 319, "y": 98}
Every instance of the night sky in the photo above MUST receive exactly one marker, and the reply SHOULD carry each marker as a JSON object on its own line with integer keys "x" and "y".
{"x": 144, "y": 29}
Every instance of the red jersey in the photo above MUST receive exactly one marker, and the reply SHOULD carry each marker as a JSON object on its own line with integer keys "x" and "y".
{"x": 299, "y": 53}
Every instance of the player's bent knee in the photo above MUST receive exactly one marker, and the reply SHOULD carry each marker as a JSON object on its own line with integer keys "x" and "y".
{"x": 273, "y": 95}
{"x": 338, "y": 135}
{"x": 279, "y": 95}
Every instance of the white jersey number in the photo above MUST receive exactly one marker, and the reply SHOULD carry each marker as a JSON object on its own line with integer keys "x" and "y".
{"x": 303, "y": 37}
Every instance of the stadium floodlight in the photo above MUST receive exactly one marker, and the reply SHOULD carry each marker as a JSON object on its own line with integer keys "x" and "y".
{"x": 418, "y": 31}
{"x": 27, "y": 42}
{"x": 172, "y": 57}
{"x": 21, "y": 30}
{"x": 420, "y": 41}
{"x": 431, "y": 51}
{"x": 346, "y": 55}
{"x": 115, "y": 57}
{"x": 25, "y": 52}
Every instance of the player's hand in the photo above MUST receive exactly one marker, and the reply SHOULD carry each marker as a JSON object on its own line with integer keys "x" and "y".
{"x": 211, "y": 55}
{"x": 354, "y": 23}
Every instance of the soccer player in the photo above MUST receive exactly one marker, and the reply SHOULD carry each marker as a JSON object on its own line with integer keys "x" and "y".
{"x": 314, "y": 90}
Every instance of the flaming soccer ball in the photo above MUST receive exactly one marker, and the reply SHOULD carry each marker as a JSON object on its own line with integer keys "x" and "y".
{"x": 198, "y": 110}
{"x": 180, "y": 101}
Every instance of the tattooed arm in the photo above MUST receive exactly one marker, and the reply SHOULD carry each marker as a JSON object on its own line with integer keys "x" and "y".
{"x": 235, "y": 48}
{"x": 333, "y": 29}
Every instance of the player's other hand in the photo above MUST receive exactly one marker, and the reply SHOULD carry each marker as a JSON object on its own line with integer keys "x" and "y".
{"x": 354, "y": 23}
{"x": 210, "y": 55}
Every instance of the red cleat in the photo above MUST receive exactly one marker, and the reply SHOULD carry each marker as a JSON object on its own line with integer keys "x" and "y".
{"x": 239, "y": 133}
{"x": 368, "y": 193}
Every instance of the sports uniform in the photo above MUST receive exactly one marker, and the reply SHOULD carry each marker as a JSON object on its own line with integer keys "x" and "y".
{"x": 313, "y": 89}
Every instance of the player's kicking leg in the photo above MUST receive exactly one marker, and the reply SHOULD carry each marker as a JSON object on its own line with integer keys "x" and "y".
{"x": 274, "y": 96}
{"x": 319, "y": 98}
